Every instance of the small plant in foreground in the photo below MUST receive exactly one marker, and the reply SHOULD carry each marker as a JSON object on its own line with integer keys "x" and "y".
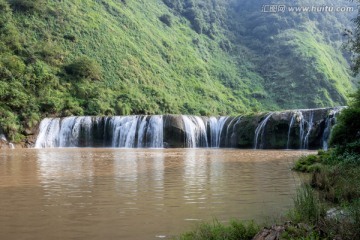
{"x": 307, "y": 207}
{"x": 236, "y": 230}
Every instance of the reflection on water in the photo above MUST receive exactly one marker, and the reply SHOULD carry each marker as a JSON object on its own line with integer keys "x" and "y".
{"x": 137, "y": 193}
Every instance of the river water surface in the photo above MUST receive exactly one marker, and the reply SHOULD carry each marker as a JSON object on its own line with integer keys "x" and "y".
{"x": 138, "y": 193}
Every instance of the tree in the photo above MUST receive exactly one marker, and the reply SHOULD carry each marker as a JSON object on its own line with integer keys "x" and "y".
{"x": 166, "y": 18}
{"x": 26, "y": 5}
{"x": 84, "y": 68}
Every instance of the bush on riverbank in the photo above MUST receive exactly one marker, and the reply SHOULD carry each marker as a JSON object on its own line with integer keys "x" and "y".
{"x": 335, "y": 176}
{"x": 234, "y": 231}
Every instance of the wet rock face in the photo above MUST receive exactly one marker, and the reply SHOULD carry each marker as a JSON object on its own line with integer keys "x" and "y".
{"x": 297, "y": 129}
{"x": 4, "y": 143}
{"x": 174, "y": 131}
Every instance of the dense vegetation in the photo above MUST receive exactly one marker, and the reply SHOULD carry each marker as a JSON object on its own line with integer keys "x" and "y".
{"x": 111, "y": 57}
{"x": 335, "y": 174}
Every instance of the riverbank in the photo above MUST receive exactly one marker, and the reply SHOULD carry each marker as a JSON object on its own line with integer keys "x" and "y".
{"x": 326, "y": 207}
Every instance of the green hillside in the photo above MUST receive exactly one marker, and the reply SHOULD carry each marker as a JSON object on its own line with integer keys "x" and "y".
{"x": 206, "y": 57}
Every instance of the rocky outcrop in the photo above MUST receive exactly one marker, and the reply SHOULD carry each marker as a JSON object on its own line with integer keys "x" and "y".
{"x": 276, "y": 232}
{"x": 298, "y": 129}
{"x": 4, "y": 143}
{"x": 174, "y": 131}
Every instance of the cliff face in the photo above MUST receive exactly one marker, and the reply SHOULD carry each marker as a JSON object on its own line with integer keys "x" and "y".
{"x": 295, "y": 129}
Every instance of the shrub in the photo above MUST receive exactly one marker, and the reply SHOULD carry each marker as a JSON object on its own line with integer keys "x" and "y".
{"x": 26, "y": 5}
{"x": 70, "y": 37}
{"x": 84, "y": 68}
{"x": 71, "y": 107}
{"x": 122, "y": 109}
{"x": 198, "y": 25}
{"x": 10, "y": 124}
{"x": 166, "y": 18}
{"x": 5, "y": 13}
{"x": 52, "y": 53}
{"x": 225, "y": 45}
{"x": 14, "y": 65}
{"x": 347, "y": 129}
{"x": 307, "y": 163}
{"x": 235, "y": 230}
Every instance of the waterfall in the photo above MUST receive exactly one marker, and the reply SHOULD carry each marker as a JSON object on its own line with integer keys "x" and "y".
{"x": 306, "y": 124}
{"x": 197, "y": 135}
{"x": 216, "y": 129}
{"x": 227, "y": 132}
{"x": 326, "y": 134}
{"x": 233, "y": 132}
{"x": 68, "y": 134}
{"x": 124, "y": 130}
{"x": 119, "y": 132}
{"x": 260, "y": 130}
{"x": 195, "y": 132}
{"x": 310, "y": 127}
{"x": 142, "y": 132}
{"x": 155, "y": 132}
{"x": 301, "y": 121}
{"x": 310, "y": 124}
{"x": 290, "y": 126}
{"x": 330, "y": 121}
{"x": 48, "y": 136}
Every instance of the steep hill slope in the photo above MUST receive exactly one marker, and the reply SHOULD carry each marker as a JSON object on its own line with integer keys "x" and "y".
{"x": 107, "y": 57}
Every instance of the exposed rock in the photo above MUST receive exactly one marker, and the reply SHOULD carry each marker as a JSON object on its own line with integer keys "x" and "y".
{"x": 336, "y": 214}
{"x": 174, "y": 131}
{"x": 273, "y": 233}
{"x": 306, "y": 132}
{"x": 4, "y": 143}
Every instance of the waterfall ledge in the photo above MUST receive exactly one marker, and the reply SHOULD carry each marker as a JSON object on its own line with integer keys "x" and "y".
{"x": 292, "y": 129}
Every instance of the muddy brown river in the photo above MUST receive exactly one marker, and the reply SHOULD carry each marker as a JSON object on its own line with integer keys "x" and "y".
{"x": 138, "y": 193}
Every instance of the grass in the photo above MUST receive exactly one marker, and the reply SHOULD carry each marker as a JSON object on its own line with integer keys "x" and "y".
{"x": 307, "y": 207}
{"x": 235, "y": 230}
{"x": 335, "y": 176}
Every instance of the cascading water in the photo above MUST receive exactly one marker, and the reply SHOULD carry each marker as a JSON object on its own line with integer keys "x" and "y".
{"x": 195, "y": 130}
{"x": 301, "y": 121}
{"x": 155, "y": 132}
{"x": 48, "y": 136}
{"x": 233, "y": 132}
{"x": 260, "y": 130}
{"x": 330, "y": 121}
{"x": 310, "y": 124}
{"x": 216, "y": 129}
{"x": 142, "y": 132}
{"x": 123, "y": 132}
{"x": 292, "y": 121}
{"x": 307, "y": 128}
{"x": 326, "y": 134}
{"x": 229, "y": 126}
